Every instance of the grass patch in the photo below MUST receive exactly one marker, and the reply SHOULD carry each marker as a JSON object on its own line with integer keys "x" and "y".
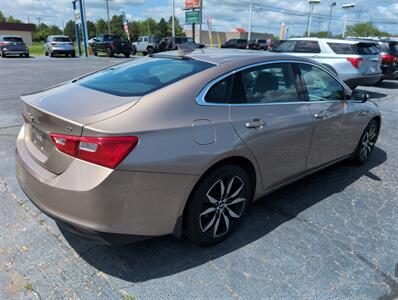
{"x": 128, "y": 297}
{"x": 29, "y": 286}
{"x": 36, "y": 49}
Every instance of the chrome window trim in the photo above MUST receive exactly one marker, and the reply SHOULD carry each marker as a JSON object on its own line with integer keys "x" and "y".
{"x": 200, "y": 99}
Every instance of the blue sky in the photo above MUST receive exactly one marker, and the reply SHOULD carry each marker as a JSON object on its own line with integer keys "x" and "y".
{"x": 227, "y": 14}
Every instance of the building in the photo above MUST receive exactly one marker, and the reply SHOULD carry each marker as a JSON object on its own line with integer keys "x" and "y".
{"x": 20, "y": 29}
{"x": 221, "y": 37}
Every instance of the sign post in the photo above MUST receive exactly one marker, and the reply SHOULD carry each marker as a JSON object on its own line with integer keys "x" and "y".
{"x": 192, "y": 14}
{"x": 80, "y": 18}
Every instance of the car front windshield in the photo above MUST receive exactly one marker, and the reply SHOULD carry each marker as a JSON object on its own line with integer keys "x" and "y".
{"x": 142, "y": 76}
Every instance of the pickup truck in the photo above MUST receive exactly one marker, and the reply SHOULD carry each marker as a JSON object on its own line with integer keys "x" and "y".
{"x": 110, "y": 44}
{"x": 149, "y": 44}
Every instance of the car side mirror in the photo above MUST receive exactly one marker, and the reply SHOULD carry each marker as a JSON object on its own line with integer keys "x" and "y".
{"x": 359, "y": 96}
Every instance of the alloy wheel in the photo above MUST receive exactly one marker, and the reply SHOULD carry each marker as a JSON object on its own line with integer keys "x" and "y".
{"x": 223, "y": 206}
{"x": 368, "y": 141}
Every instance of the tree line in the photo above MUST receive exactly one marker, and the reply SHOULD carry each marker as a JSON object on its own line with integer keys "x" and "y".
{"x": 148, "y": 26}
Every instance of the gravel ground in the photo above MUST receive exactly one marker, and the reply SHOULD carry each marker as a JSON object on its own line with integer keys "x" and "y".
{"x": 331, "y": 235}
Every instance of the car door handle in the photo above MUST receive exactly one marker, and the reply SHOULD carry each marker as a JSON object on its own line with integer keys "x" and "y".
{"x": 256, "y": 123}
{"x": 321, "y": 115}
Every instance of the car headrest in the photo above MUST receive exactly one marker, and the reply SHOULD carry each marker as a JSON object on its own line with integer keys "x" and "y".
{"x": 266, "y": 82}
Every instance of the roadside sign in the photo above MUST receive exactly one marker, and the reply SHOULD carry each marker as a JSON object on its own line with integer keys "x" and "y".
{"x": 78, "y": 19}
{"x": 192, "y": 17}
{"x": 191, "y": 4}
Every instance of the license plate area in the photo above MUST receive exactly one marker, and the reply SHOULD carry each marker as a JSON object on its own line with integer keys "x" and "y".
{"x": 40, "y": 140}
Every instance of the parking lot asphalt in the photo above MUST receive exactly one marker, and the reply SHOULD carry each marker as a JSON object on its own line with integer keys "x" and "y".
{"x": 331, "y": 235}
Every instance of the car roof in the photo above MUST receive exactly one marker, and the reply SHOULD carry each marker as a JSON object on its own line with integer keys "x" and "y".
{"x": 9, "y": 35}
{"x": 324, "y": 40}
{"x": 243, "y": 57}
{"x": 59, "y": 36}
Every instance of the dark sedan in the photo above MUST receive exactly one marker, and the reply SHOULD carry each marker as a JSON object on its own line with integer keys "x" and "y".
{"x": 13, "y": 45}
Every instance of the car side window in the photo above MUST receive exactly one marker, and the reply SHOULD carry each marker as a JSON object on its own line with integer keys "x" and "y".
{"x": 220, "y": 92}
{"x": 307, "y": 47}
{"x": 145, "y": 39}
{"x": 321, "y": 86}
{"x": 270, "y": 83}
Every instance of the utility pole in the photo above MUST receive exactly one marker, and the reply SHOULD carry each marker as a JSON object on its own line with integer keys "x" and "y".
{"x": 250, "y": 20}
{"x": 200, "y": 20}
{"x": 333, "y": 4}
{"x": 173, "y": 25}
{"x": 107, "y": 12}
{"x": 346, "y": 7}
{"x": 38, "y": 20}
{"x": 311, "y": 3}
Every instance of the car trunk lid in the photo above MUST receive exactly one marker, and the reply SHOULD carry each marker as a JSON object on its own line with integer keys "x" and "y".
{"x": 65, "y": 109}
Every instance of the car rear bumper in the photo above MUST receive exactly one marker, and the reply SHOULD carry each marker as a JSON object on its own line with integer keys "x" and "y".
{"x": 15, "y": 52}
{"x": 62, "y": 51}
{"x": 363, "y": 80}
{"x": 94, "y": 201}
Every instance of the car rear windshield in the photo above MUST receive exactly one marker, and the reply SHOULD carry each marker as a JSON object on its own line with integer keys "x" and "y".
{"x": 13, "y": 39}
{"x": 356, "y": 49}
{"x": 61, "y": 39}
{"x": 142, "y": 76}
{"x": 394, "y": 47}
{"x": 292, "y": 46}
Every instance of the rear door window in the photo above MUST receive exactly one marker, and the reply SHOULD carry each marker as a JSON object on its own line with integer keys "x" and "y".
{"x": 355, "y": 49}
{"x": 298, "y": 47}
{"x": 220, "y": 92}
{"x": 142, "y": 76}
{"x": 268, "y": 84}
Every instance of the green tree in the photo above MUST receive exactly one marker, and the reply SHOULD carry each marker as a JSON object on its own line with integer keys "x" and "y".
{"x": 11, "y": 19}
{"x": 179, "y": 29}
{"x": 101, "y": 26}
{"x": 162, "y": 28}
{"x": 117, "y": 25}
{"x": 2, "y": 17}
{"x": 70, "y": 30}
{"x": 91, "y": 30}
{"x": 43, "y": 31}
{"x": 365, "y": 29}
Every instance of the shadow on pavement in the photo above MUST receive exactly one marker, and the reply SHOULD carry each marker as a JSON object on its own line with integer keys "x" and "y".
{"x": 387, "y": 85}
{"x": 165, "y": 256}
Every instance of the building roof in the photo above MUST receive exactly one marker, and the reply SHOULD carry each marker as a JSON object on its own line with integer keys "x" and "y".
{"x": 17, "y": 27}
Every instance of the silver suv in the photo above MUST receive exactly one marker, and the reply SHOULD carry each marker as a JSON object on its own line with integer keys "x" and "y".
{"x": 59, "y": 44}
{"x": 355, "y": 62}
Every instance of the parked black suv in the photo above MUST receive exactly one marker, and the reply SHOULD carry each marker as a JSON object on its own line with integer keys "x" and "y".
{"x": 258, "y": 44}
{"x": 235, "y": 43}
{"x": 174, "y": 42}
{"x": 111, "y": 44}
{"x": 389, "y": 56}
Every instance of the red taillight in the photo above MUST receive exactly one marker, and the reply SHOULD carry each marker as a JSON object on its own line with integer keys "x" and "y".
{"x": 4, "y": 43}
{"x": 104, "y": 151}
{"x": 355, "y": 61}
{"x": 113, "y": 45}
{"x": 388, "y": 58}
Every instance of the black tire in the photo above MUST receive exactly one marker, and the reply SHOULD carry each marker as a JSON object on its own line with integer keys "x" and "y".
{"x": 52, "y": 54}
{"x": 27, "y": 55}
{"x": 109, "y": 52}
{"x": 3, "y": 54}
{"x": 150, "y": 51}
{"x": 366, "y": 143}
{"x": 126, "y": 55}
{"x": 95, "y": 53}
{"x": 73, "y": 54}
{"x": 45, "y": 53}
{"x": 207, "y": 208}
{"x": 133, "y": 51}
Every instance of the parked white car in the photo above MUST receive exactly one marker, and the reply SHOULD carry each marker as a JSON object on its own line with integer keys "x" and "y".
{"x": 355, "y": 62}
{"x": 59, "y": 44}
